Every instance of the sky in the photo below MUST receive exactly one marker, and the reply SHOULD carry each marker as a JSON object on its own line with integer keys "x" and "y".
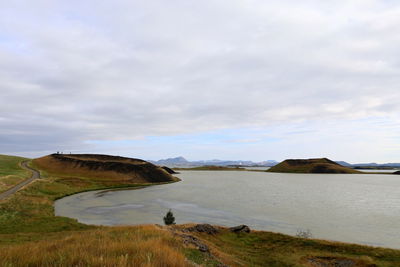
{"x": 240, "y": 79}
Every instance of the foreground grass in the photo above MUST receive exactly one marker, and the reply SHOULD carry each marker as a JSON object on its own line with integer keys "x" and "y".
{"x": 30, "y": 235}
{"x": 105, "y": 246}
{"x": 10, "y": 172}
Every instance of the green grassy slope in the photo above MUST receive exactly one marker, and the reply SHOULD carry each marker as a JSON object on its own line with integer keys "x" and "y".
{"x": 10, "y": 171}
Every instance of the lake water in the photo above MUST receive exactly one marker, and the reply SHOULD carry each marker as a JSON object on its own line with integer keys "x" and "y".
{"x": 358, "y": 208}
{"x": 256, "y": 168}
{"x": 378, "y": 170}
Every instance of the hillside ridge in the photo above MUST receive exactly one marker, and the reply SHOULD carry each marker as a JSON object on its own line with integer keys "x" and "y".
{"x": 104, "y": 167}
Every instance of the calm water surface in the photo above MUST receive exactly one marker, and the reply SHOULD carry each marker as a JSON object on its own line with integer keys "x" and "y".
{"x": 378, "y": 170}
{"x": 359, "y": 208}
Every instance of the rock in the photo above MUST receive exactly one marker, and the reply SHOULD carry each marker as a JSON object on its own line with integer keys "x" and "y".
{"x": 240, "y": 229}
{"x": 188, "y": 239}
{"x": 203, "y": 228}
{"x": 194, "y": 241}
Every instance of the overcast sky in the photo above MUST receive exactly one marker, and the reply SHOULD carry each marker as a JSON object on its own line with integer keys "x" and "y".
{"x": 238, "y": 79}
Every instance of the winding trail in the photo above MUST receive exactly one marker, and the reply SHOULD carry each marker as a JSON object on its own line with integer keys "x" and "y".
{"x": 35, "y": 175}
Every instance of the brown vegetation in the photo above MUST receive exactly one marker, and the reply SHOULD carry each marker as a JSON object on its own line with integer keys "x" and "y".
{"x": 108, "y": 246}
{"x": 322, "y": 165}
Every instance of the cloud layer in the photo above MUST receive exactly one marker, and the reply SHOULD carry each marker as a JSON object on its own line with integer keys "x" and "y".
{"x": 73, "y": 72}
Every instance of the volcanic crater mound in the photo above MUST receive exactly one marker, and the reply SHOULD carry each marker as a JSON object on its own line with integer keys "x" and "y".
{"x": 104, "y": 167}
{"x": 321, "y": 165}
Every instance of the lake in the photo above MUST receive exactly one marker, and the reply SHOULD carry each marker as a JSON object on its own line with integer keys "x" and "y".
{"x": 357, "y": 208}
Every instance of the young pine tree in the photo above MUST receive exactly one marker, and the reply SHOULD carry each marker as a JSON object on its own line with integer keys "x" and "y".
{"x": 169, "y": 218}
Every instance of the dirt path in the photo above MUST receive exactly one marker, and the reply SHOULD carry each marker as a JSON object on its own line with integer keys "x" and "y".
{"x": 35, "y": 175}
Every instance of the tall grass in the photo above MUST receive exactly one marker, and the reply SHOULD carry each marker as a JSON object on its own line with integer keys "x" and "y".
{"x": 116, "y": 246}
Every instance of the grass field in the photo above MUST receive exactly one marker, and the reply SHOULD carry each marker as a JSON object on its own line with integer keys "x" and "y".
{"x": 30, "y": 235}
{"x": 10, "y": 172}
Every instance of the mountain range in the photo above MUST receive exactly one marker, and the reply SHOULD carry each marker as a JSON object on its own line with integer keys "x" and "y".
{"x": 369, "y": 165}
{"x": 182, "y": 162}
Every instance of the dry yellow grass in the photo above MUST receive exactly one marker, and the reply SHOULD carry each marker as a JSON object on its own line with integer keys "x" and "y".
{"x": 116, "y": 246}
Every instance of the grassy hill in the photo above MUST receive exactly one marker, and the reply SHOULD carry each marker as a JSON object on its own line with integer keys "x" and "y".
{"x": 10, "y": 171}
{"x": 104, "y": 168}
{"x": 322, "y": 165}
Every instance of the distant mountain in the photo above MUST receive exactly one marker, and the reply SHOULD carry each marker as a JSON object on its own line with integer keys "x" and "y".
{"x": 171, "y": 161}
{"x": 369, "y": 165}
{"x": 395, "y": 165}
{"x": 182, "y": 162}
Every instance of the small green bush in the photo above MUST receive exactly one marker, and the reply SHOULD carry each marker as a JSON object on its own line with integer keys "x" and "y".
{"x": 169, "y": 218}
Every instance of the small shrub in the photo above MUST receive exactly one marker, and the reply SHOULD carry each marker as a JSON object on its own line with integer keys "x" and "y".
{"x": 169, "y": 218}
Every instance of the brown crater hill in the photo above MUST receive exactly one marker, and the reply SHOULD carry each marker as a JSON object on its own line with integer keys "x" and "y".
{"x": 104, "y": 167}
{"x": 322, "y": 165}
